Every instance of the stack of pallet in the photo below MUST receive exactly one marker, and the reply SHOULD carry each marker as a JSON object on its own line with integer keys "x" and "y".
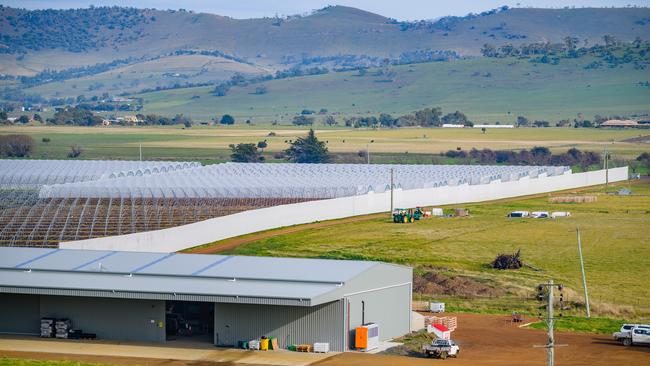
{"x": 63, "y": 327}
{"x": 47, "y": 327}
{"x": 321, "y": 347}
{"x": 420, "y": 305}
{"x": 450, "y": 322}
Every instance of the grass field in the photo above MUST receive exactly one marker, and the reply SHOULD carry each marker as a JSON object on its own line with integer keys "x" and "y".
{"x": 210, "y": 144}
{"x": 615, "y": 246}
{"x": 162, "y": 72}
{"x": 487, "y": 90}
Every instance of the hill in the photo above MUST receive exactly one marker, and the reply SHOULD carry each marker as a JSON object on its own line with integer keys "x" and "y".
{"x": 486, "y": 89}
{"x": 102, "y": 32}
{"x": 55, "y": 39}
{"x": 54, "y": 54}
{"x": 150, "y": 74}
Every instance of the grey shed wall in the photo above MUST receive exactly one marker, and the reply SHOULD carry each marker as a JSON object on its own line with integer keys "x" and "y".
{"x": 386, "y": 291}
{"x": 389, "y": 308}
{"x": 289, "y": 324}
{"x": 122, "y": 319}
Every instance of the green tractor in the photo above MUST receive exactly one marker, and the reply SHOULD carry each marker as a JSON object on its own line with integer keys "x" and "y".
{"x": 401, "y": 215}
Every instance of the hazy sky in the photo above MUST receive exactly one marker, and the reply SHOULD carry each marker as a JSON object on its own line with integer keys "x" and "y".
{"x": 400, "y": 9}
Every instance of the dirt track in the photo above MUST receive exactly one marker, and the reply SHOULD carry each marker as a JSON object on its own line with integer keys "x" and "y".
{"x": 490, "y": 340}
{"x": 484, "y": 339}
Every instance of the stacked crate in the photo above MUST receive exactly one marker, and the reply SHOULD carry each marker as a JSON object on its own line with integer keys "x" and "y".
{"x": 63, "y": 327}
{"x": 47, "y": 327}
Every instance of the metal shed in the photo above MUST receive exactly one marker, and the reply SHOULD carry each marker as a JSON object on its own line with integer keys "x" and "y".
{"x": 126, "y": 295}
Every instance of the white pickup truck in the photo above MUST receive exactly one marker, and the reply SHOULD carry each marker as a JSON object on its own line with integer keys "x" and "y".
{"x": 633, "y": 334}
{"x": 441, "y": 348}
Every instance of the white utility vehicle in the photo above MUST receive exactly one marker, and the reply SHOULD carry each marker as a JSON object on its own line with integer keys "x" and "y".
{"x": 441, "y": 348}
{"x": 633, "y": 334}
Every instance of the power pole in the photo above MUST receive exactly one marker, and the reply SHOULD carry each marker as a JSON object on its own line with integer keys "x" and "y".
{"x": 549, "y": 321}
{"x": 141, "y": 151}
{"x": 550, "y": 344}
{"x": 584, "y": 279}
{"x": 391, "y": 192}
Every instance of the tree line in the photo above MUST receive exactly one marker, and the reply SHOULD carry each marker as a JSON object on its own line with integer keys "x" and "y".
{"x": 536, "y": 156}
{"x": 612, "y": 52}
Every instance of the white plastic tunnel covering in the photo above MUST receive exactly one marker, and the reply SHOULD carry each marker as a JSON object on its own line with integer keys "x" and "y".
{"x": 26, "y": 173}
{"x": 170, "y": 166}
{"x": 309, "y": 181}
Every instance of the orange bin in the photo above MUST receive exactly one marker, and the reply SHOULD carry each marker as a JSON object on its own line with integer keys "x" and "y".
{"x": 361, "y": 337}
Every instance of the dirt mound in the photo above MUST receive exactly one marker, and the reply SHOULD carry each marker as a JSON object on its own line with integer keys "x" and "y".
{"x": 434, "y": 283}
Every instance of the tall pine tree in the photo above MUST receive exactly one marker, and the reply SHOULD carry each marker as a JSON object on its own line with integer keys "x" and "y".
{"x": 308, "y": 150}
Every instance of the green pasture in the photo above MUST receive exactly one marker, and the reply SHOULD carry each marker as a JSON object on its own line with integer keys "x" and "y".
{"x": 615, "y": 246}
{"x": 487, "y": 90}
{"x": 406, "y": 145}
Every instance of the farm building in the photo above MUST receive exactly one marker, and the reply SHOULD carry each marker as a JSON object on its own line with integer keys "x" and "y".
{"x": 619, "y": 123}
{"x": 225, "y": 299}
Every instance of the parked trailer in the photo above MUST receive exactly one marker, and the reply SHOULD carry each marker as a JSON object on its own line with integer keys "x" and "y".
{"x": 560, "y": 214}
{"x": 437, "y": 307}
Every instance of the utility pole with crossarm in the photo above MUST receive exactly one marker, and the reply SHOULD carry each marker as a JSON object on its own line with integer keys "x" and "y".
{"x": 545, "y": 291}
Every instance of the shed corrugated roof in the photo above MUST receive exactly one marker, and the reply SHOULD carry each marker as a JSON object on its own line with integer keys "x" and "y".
{"x": 161, "y": 273}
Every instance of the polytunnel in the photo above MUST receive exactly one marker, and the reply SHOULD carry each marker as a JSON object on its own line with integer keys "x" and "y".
{"x": 88, "y": 199}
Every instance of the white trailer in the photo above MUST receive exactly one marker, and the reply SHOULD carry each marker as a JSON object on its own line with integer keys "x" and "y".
{"x": 437, "y": 307}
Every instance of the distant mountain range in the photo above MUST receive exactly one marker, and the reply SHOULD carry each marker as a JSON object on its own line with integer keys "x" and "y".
{"x": 188, "y": 47}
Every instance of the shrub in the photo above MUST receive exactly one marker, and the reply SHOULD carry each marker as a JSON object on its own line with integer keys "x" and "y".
{"x": 16, "y": 146}
{"x": 245, "y": 153}
{"x": 75, "y": 151}
{"x": 456, "y": 154}
{"x": 302, "y": 121}
{"x": 227, "y": 119}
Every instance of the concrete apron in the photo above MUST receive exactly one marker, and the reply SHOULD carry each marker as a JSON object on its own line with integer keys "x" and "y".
{"x": 193, "y": 352}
